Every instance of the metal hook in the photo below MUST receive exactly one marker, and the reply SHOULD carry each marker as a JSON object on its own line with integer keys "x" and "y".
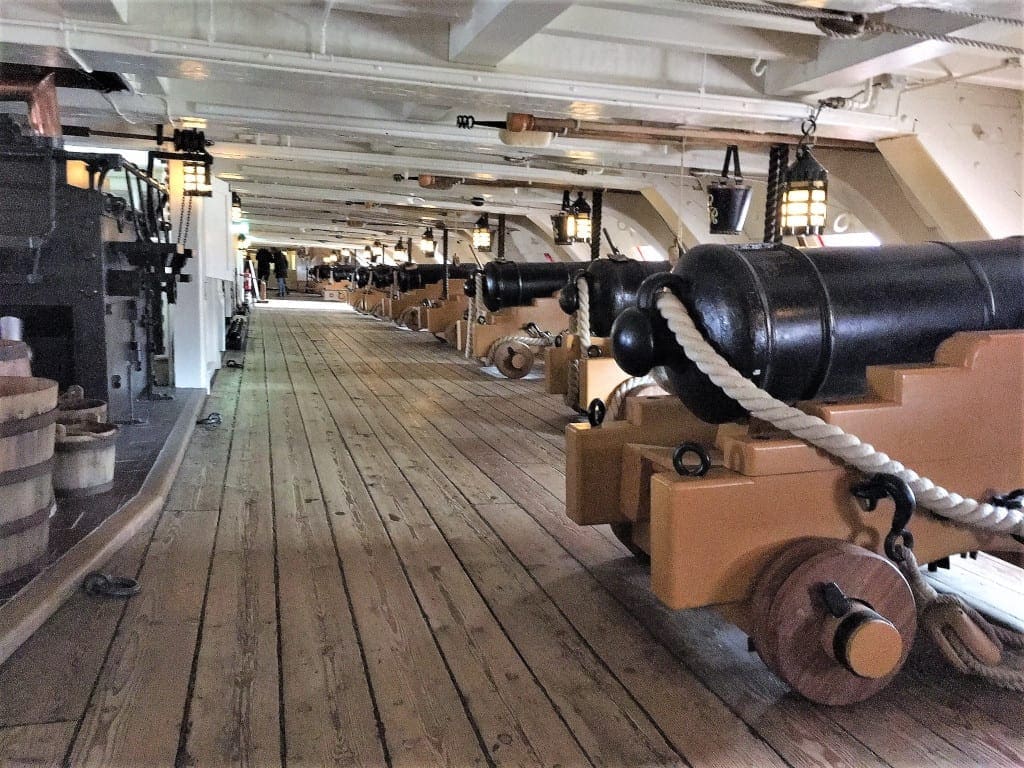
{"x": 888, "y": 486}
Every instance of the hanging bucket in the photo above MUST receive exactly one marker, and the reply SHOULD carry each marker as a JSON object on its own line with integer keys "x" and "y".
{"x": 28, "y": 409}
{"x": 729, "y": 198}
{"x": 85, "y": 457}
{"x": 14, "y": 358}
{"x": 75, "y": 408}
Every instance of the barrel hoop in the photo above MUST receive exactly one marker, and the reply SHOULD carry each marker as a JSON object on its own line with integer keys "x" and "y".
{"x": 89, "y": 490}
{"x": 14, "y": 351}
{"x": 30, "y": 568}
{"x": 33, "y": 423}
{"x": 96, "y": 444}
{"x": 21, "y": 474}
{"x": 981, "y": 277}
{"x": 828, "y": 322}
{"x": 14, "y": 527}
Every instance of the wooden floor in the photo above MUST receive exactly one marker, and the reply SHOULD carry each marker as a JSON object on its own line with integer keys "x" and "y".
{"x": 368, "y": 564}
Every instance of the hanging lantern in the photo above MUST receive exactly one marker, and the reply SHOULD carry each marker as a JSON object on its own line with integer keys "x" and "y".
{"x": 427, "y": 244}
{"x": 196, "y": 179}
{"x": 805, "y": 197}
{"x": 368, "y": 253}
{"x": 729, "y": 198}
{"x": 482, "y": 235}
{"x": 401, "y": 252}
{"x": 377, "y": 249}
{"x": 236, "y": 207}
{"x": 583, "y": 226}
{"x": 563, "y": 223}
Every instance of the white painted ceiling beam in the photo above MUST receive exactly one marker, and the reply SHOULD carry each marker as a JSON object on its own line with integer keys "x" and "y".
{"x": 120, "y": 48}
{"x": 495, "y": 28}
{"x": 621, "y": 26}
{"x": 285, "y": 192}
{"x": 840, "y": 63}
{"x": 702, "y": 14}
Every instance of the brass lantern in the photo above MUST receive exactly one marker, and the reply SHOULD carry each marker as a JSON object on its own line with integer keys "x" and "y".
{"x": 196, "y": 179}
{"x": 482, "y": 235}
{"x": 583, "y": 224}
{"x": 805, "y": 197}
{"x": 563, "y": 223}
{"x": 427, "y": 244}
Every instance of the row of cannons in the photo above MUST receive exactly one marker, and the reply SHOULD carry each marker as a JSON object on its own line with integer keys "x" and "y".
{"x": 735, "y": 410}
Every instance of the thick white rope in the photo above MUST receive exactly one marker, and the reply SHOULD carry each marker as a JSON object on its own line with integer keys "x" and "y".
{"x": 583, "y": 312}
{"x": 580, "y": 326}
{"x": 474, "y": 304}
{"x": 828, "y": 437}
{"x": 630, "y": 386}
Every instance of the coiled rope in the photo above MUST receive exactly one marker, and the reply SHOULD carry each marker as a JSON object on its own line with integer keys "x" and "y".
{"x": 847, "y": 448}
{"x": 944, "y": 617}
{"x": 535, "y": 337}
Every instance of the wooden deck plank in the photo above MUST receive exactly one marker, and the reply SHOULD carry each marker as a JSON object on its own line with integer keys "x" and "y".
{"x": 135, "y": 713}
{"x": 35, "y": 746}
{"x": 516, "y": 721}
{"x": 424, "y": 720}
{"x": 608, "y": 725}
{"x": 330, "y": 717}
{"x": 524, "y": 611}
{"x": 35, "y": 689}
{"x": 234, "y": 716}
{"x": 200, "y": 481}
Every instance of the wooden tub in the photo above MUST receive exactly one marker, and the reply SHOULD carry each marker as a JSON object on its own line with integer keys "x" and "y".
{"x": 28, "y": 411}
{"x": 85, "y": 456}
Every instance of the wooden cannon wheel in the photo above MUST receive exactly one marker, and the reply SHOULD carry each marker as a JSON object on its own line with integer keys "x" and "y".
{"x": 514, "y": 359}
{"x": 410, "y": 318}
{"x": 828, "y": 659}
{"x": 451, "y": 334}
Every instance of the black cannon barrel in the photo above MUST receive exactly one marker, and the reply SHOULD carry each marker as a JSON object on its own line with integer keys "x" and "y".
{"x": 382, "y": 275}
{"x": 413, "y": 276}
{"x": 338, "y": 271}
{"x": 612, "y": 284}
{"x": 805, "y": 325}
{"x": 517, "y": 284}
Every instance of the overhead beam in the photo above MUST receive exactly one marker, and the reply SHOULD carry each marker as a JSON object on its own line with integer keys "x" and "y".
{"x": 121, "y": 48}
{"x": 841, "y": 63}
{"x": 642, "y": 27}
{"x": 495, "y": 28}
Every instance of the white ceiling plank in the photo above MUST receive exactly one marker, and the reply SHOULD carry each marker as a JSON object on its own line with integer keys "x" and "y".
{"x": 495, "y": 28}
{"x": 622, "y": 26}
{"x": 98, "y": 10}
{"x": 841, "y": 63}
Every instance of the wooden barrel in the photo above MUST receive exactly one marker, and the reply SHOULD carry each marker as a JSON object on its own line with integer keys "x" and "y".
{"x": 28, "y": 411}
{"x": 75, "y": 407}
{"x": 84, "y": 459}
{"x": 14, "y": 358}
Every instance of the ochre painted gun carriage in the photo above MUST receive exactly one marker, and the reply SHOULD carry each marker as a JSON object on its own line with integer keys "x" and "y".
{"x": 918, "y": 351}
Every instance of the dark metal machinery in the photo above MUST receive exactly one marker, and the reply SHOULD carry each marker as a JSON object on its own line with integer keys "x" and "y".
{"x": 806, "y": 324}
{"x": 87, "y": 272}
